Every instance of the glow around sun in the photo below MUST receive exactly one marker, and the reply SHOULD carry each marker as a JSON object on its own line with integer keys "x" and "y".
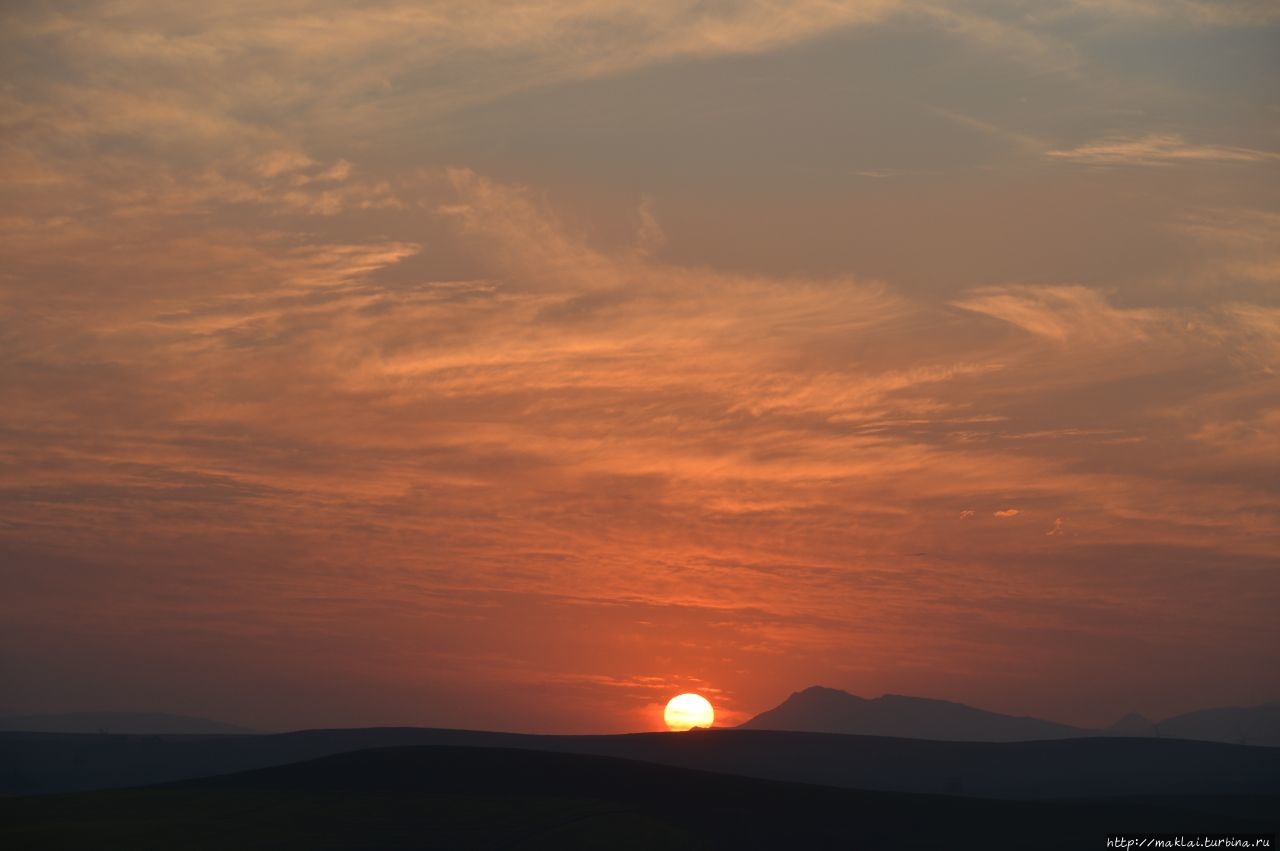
{"x": 685, "y": 711}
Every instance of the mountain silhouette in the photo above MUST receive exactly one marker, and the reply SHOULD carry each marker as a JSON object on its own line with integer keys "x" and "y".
{"x": 130, "y": 723}
{"x": 1134, "y": 724}
{"x": 827, "y": 710}
{"x": 1256, "y": 725}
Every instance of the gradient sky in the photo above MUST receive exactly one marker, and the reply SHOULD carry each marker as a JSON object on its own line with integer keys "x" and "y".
{"x": 518, "y": 365}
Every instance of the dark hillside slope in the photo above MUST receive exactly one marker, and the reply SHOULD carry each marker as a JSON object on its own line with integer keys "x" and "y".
{"x": 401, "y": 798}
{"x": 35, "y": 763}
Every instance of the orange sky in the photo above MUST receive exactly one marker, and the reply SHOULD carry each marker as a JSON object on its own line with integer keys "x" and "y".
{"x": 521, "y": 365}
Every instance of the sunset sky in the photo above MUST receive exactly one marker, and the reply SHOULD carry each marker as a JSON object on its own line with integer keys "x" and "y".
{"x": 519, "y": 365}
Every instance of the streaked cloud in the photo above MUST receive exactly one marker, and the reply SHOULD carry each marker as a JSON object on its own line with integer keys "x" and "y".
{"x": 1230, "y": 13}
{"x": 345, "y": 63}
{"x": 1063, "y": 313}
{"x": 1158, "y": 149}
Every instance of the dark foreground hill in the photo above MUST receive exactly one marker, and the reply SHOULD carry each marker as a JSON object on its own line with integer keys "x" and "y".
{"x": 460, "y": 798}
{"x": 39, "y": 763}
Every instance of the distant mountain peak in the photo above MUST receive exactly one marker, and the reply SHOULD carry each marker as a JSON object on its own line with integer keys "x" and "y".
{"x": 824, "y": 692}
{"x": 829, "y": 710}
{"x": 1134, "y": 724}
{"x": 1133, "y": 718}
{"x": 822, "y": 709}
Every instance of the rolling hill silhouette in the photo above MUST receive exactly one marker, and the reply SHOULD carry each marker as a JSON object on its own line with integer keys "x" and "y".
{"x": 470, "y": 797}
{"x": 825, "y": 710}
{"x": 44, "y": 762}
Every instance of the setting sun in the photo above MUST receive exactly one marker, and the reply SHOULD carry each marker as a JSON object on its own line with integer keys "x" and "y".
{"x": 686, "y": 711}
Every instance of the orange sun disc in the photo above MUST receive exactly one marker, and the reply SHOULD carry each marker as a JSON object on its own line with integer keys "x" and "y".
{"x": 686, "y": 711}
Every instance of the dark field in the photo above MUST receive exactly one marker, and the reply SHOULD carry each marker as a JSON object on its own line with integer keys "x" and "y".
{"x": 452, "y": 797}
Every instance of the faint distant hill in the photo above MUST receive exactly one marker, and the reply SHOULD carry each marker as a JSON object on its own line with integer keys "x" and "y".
{"x": 1255, "y": 725}
{"x": 826, "y": 710}
{"x": 1133, "y": 724}
{"x": 131, "y": 723}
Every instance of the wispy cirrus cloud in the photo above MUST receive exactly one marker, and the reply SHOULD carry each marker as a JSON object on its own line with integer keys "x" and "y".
{"x": 1242, "y": 244}
{"x": 341, "y": 63}
{"x": 1227, "y": 13}
{"x": 1158, "y": 149}
{"x": 1063, "y": 313}
{"x": 659, "y": 437}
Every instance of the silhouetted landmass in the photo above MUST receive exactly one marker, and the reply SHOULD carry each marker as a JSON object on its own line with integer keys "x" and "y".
{"x": 133, "y": 723}
{"x": 1257, "y": 725}
{"x": 46, "y": 762}
{"x": 826, "y": 710}
{"x": 462, "y": 798}
{"x": 1133, "y": 724}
